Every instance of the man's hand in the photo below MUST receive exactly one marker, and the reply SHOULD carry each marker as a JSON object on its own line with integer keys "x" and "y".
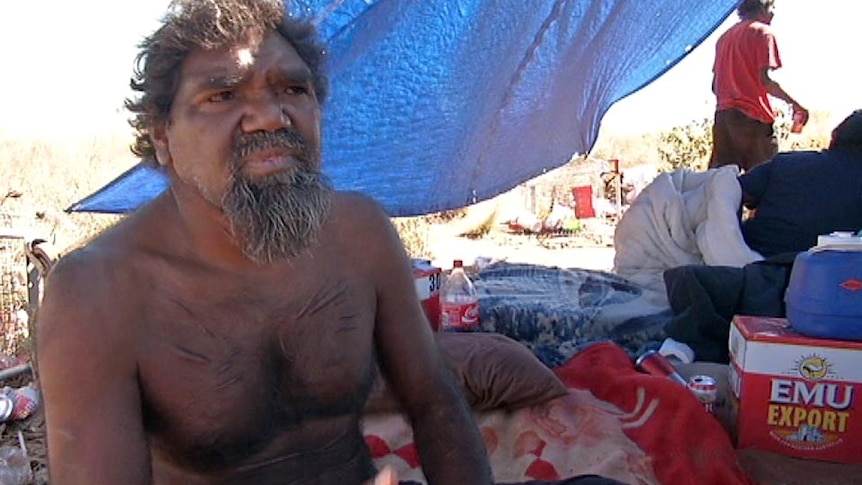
{"x": 386, "y": 477}
{"x": 800, "y": 111}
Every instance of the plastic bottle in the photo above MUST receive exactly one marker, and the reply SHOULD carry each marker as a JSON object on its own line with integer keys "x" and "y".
{"x": 14, "y": 466}
{"x": 459, "y": 303}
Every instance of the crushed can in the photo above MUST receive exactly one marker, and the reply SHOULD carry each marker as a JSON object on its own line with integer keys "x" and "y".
{"x": 705, "y": 389}
{"x": 7, "y": 406}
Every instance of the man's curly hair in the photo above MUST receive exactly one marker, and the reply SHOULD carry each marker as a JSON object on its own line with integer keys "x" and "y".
{"x": 207, "y": 24}
{"x": 749, "y": 9}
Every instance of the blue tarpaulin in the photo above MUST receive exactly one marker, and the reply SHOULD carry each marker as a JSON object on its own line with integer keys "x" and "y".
{"x": 436, "y": 104}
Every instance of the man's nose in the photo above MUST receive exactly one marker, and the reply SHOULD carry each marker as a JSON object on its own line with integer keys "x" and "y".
{"x": 266, "y": 113}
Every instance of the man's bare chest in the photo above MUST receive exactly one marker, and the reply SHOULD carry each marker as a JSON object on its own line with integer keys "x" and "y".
{"x": 229, "y": 367}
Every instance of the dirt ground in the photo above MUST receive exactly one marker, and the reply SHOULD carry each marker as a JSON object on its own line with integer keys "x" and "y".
{"x": 565, "y": 251}
{"x": 591, "y": 247}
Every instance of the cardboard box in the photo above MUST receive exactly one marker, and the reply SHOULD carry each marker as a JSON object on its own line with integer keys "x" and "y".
{"x": 795, "y": 395}
{"x": 427, "y": 279}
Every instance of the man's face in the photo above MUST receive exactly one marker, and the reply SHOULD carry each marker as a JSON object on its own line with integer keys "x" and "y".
{"x": 768, "y": 13}
{"x": 244, "y": 132}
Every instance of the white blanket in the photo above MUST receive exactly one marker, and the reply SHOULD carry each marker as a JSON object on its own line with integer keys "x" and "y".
{"x": 682, "y": 217}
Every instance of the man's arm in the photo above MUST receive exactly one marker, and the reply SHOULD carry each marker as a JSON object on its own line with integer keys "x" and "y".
{"x": 775, "y": 89}
{"x": 87, "y": 374}
{"x": 450, "y": 446}
{"x": 754, "y": 184}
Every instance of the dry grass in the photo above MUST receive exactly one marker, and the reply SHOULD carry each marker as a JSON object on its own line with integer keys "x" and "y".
{"x": 50, "y": 175}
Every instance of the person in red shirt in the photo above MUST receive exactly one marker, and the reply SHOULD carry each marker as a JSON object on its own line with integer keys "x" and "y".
{"x": 743, "y": 132}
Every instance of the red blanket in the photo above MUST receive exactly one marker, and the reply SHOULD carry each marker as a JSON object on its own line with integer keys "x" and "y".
{"x": 615, "y": 422}
{"x": 686, "y": 444}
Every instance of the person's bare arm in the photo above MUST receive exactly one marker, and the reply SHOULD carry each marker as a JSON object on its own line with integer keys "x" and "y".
{"x": 775, "y": 89}
{"x": 87, "y": 373}
{"x": 450, "y": 446}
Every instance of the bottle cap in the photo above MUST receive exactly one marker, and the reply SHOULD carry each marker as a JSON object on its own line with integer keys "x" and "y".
{"x": 458, "y": 263}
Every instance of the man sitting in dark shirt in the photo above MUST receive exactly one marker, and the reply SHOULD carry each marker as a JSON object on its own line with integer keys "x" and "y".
{"x": 801, "y": 195}
{"x": 797, "y": 196}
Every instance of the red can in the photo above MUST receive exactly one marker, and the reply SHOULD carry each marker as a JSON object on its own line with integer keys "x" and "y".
{"x": 654, "y": 363}
{"x": 799, "y": 120}
{"x": 706, "y": 390}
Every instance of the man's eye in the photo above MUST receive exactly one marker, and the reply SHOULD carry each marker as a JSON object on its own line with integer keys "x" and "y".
{"x": 220, "y": 97}
{"x": 295, "y": 90}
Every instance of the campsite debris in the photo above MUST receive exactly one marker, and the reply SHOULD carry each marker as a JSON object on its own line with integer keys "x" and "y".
{"x": 459, "y": 303}
{"x": 14, "y": 371}
{"x": 676, "y": 352}
{"x": 654, "y": 363}
{"x": 705, "y": 388}
{"x": 17, "y": 404}
{"x": 15, "y": 464}
{"x": 482, "y": 262}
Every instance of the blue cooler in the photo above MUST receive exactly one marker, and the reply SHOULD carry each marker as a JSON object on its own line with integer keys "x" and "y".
{"x": 824, "y": 296}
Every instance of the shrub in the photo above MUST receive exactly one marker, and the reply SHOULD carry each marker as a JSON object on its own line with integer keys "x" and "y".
{"x": 687, "y": 146}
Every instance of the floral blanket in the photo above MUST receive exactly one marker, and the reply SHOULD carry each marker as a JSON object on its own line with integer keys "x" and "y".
{"x": 555, "y": 312}
{"x": 572, "y": 435}
{"x": 615, "y": 422}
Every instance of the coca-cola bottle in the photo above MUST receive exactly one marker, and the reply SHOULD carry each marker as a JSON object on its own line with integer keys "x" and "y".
{"x": 459, "y": 303}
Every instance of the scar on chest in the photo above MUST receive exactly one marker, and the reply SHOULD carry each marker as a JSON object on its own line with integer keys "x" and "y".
{"x": 338, "y": 301}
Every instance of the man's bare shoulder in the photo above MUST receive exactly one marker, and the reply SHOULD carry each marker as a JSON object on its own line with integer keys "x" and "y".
{"x": 108, "y": 265}
{"x": 148, "y": 229}
{"x": 357, "y": 201}
{"x": 359, "y": 210}
{"x": 363, "y": 227}
{"x": 88, "y": 277}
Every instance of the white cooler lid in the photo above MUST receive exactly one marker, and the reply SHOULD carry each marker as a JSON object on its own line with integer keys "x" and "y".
{"x": 838, "y": 241}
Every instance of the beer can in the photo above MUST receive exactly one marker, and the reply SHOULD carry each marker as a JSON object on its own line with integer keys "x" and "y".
{"x": 705, "y": 389}
{"x": 7, "y": 405}
{"x": 799, "y": 121}
{"x": 654, "y": 363}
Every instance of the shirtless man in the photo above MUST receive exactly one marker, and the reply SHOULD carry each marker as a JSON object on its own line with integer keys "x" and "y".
{"x": 228, "y": 331}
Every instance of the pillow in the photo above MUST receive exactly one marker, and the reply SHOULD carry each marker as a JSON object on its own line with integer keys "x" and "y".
{"x": 495, "y": 372}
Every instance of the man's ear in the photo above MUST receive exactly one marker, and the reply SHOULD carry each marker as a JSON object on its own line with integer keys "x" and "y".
{"x": 159, "y": 136}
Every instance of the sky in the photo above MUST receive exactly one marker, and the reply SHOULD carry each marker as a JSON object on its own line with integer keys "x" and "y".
{"x": 66, "y": 66}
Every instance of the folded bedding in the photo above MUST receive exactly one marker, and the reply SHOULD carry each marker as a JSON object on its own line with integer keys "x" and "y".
{"x": 681, "y": 218}
{"x": 556, "y": 311}
{"x": 494, "y": 372}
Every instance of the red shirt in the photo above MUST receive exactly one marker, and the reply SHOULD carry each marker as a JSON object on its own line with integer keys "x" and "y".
{"x": 741, "y": 54}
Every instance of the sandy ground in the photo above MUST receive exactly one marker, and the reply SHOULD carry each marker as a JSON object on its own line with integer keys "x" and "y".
{"x": 590, "y": 249}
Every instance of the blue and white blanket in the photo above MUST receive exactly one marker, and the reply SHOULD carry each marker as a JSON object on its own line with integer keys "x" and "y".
{"x": 556, "y": 312}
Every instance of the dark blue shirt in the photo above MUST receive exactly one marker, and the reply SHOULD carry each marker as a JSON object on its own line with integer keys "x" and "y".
{"x": 799, "y": 196}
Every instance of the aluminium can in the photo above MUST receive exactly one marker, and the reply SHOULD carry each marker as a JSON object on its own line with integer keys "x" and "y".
{"x": 705, "y": 388}
{"x": 654, "y": 363}
{"x": 7, "y": 406}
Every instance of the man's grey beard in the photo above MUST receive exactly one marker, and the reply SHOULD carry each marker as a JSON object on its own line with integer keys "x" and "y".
{"x": 277, "y": 217}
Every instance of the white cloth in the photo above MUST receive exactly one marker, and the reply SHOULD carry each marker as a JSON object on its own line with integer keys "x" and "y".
{"x": 681, "y": 217}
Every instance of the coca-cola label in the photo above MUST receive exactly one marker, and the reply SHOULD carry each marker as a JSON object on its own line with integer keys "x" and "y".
{"x": 459, "y": 315}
